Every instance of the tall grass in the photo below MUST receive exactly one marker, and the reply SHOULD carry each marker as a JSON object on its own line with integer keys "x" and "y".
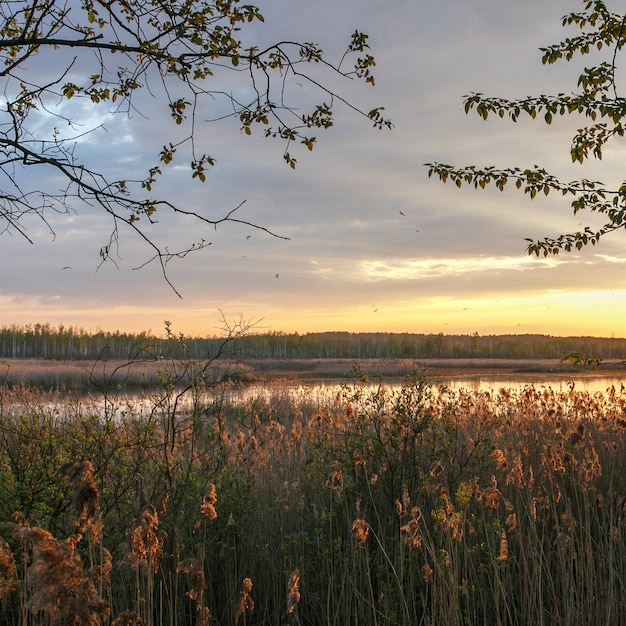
{"x": 416, "y": 505}
{"x": 103, "y": 375}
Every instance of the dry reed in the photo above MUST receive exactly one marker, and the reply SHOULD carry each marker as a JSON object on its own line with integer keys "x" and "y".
{"x": 503, "y": 507}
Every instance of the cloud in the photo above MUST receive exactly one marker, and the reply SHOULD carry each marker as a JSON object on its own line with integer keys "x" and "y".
{"x": 419, "y": 269}
{"x": 364, "y": 222}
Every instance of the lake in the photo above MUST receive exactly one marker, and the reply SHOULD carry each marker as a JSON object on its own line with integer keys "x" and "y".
{"x": 316, "y": 390}
{"x": 589, "y": 382}
{"x": 466, "y": 373}
{"x": 320, "y": 391}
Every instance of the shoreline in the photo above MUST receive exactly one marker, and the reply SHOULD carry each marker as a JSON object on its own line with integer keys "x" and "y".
{"x": 77, "y": 374}
{"x": 400, "y": 367}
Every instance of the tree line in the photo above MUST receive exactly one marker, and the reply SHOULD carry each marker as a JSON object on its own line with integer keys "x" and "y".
{"x": 67, "y": 342}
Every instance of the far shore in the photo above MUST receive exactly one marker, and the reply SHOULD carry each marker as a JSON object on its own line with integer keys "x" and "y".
{"x": 77, "y": 374}
{"x": 386, "y": 367}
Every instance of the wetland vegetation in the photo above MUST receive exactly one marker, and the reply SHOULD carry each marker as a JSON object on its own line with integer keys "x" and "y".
{"x": 407, "y": 504}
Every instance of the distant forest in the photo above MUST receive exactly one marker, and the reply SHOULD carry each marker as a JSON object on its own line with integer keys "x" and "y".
{"x": 44, "y": 341}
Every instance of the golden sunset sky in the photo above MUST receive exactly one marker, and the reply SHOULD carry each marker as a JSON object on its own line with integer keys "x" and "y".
{"x": 373, "y": 244}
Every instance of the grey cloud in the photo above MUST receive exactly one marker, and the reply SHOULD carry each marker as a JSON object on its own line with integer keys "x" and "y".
{"x": 342, "y": 204}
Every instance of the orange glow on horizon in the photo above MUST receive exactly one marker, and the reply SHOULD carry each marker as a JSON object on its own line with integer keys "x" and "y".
{"x": 598, "y": 314}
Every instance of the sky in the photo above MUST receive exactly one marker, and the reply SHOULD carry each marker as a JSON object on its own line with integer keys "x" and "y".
{"x": 373, "y": 244}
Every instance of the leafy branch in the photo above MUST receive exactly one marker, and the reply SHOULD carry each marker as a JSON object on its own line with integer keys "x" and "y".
{"x": 597, "y": 101}
{"x": 187, "y": 55}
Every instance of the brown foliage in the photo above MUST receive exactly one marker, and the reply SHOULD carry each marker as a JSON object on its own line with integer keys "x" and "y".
{"x": 8, "y": 571}
{"x": 145, "y": 540}
{"x": 60, "y": 589}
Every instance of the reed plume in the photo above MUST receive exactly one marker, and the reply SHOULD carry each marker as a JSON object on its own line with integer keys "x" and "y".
{"x": 360, "y": 531}
{"x": 197, "y": 588}
{"x": 85, "y": 504}
{"x": 145, "y": 540}
{"x": 61, "y": 592}
{"x": 207, "y": 508}
{"x": 246, "y": 603}
{"x": 8, "y": 571}
{"x": 293, "y": 592}
{"x": 411, "y": 530}
{"x": 504, "y": 547}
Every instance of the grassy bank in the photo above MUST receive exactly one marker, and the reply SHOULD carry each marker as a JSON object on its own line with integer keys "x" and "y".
{"x": 371, "y": 507}
{"x": 107, "y": 374}
{"x": 103, "y": 375}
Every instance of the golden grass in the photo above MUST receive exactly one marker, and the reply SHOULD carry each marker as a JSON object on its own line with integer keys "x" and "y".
{"x": 75, "y": 374}
{"x": 408, "y": 506}
{"x": 104, "y": 375}
{"x": 84, "y": 374}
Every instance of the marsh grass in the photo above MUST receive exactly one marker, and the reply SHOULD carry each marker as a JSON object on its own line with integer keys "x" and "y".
{"x": 74, "y": 374}
{"x": 412, "y": 505}
{"x": 145, "y": 370}
{"x": 104, "y": 375}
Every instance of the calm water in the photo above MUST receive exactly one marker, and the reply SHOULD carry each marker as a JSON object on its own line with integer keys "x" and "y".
{"x": 588, "y": 381}
{"x": 585, "y": 382}
{"x": 321, "y": 393}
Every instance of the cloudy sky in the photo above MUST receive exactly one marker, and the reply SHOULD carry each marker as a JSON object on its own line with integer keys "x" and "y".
{"x": 373, "y": 244}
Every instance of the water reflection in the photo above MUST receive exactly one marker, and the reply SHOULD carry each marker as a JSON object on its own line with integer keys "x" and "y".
{"x": 317, "y": 394}
{"x": 587, "y": 382}
{"x": 320, "y": 392}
